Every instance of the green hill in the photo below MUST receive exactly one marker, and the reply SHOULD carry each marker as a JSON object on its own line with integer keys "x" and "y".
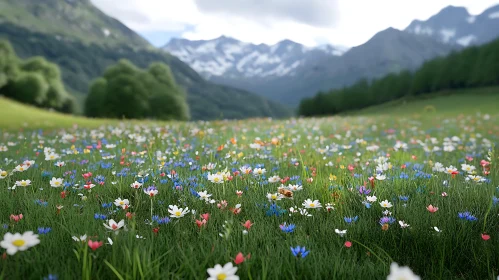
{"x": 69, "y": 20}
{"x": 449, "y": 102}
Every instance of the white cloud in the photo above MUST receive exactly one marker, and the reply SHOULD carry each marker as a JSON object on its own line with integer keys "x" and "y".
{"x": 352, "y": 21}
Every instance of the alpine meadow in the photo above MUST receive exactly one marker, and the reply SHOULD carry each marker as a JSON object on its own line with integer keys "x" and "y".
{"x": 202, "y": 140}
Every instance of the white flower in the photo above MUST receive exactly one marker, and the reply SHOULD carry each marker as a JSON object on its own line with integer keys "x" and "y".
{"x": 304, "y": 212}
{"x": 245, "y": 170}
{"x": 204, "y": 195}
{"x": 21, "y": 168}
{"x": 438, "y": 167}
{"x": 227, "y": 272}
{"x": 51, "y": 156}
{"x": 341, "y": 232}
{"x": 403, "y": 224}
{"x": 274, "y": 196}
{"x": 112, "y": 225}
{"x": 259, "y": 171}
{"x": 123, "y": 203}
{"x": 274, "y": 179}
{"x": 437, "y": 229}
{"x": 23, "y": 183}
{"x": 19, "y": 242}
{"x": 468, "y": 168}
{"x": 385, "y": 204}
{"x": 216, "y": 178}
{"x": 135, "y": 185}
{"x": 329, "y": 206}
{"x": 177, "y": 212}
{"x": 311, "y": 204}
{"x": 56, "y": 182}
{"x": 3, "y": 174}
{"x": 294, "y": 188}
{"x": 476, "y": 179}
{"x": 372, "y": 198}
{"x": 60, "y": 163}
{"x": 82, "y": 238}
{"x": 380, "y": 177}
{"x": 404, "y": 272}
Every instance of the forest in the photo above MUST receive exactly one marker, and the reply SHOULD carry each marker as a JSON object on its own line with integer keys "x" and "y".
{"x": 470, "y": 68}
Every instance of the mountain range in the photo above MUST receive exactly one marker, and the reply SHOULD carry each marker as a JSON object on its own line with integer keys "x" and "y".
{"x": 272, "y": 71}
{"x": 83, "y": 42}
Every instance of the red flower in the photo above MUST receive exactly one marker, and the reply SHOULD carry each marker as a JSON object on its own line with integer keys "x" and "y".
{"x": 485, "y": 236}
{"x": 201, "y": 223}
{"x": 348, "y": 244}
{"x": 63, "y": 194}
{"x": 247, "y": 224}
{"x": 155, "y": 230}
{"x": 205, "y": 216}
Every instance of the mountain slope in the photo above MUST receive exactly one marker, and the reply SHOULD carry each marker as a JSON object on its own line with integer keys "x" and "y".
{"x": 454, "y": 25}
{"x": 69, "y": 20}
{"x": 232, "y": 59}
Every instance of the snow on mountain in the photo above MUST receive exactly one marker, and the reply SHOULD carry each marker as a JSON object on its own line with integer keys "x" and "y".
{"x": 454, "y": 25}
{"x": 229, "y": 57}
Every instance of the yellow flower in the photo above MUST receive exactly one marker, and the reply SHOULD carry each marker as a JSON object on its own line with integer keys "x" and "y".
{"x": 332, "y": 177}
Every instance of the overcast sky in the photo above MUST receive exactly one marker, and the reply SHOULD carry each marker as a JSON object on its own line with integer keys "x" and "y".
{"x": 310, "y": 22}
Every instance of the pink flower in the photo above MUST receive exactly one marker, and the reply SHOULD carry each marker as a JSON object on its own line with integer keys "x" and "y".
{"x": 94, "y": 245}
{"x": 444, "y": 194}
{"x": 485, "y": 236}
{"x": 432, "y": 208}
{"x": 348, "y": 244}
{"x": 16, "y": 218}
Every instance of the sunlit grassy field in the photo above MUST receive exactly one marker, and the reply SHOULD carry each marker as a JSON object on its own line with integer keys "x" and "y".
{"x": 171, "y": 201}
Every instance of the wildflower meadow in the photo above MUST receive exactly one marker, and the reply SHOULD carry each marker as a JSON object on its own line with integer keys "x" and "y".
{"x": 330, "y": 198}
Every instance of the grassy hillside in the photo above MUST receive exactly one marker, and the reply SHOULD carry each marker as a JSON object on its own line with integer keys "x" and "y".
{"x": 81, "y": 63}
{"x": 69, "y": 20}
{"x": 14, "y": 115}
{"x": 484, "y": 100}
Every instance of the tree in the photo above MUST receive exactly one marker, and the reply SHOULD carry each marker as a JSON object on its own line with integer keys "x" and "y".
{"x": 28, "y": 88}
{"x": 8, "y": 63}
{"x": 127, "y": 91}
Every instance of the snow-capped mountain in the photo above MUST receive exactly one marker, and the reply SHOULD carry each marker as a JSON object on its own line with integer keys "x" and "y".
{"x": 230, "y": 58}
{"x": 455, "y": 25}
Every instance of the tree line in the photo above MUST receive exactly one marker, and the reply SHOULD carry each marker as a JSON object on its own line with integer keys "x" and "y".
{"x": 475, "y": 66}
{"x": 34, "y": 81}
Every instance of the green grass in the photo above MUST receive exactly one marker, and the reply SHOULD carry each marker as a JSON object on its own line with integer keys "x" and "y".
{"x": 179, "y": 250}
{"x": 482, "y": 100}
{"x": 15, "y": 116}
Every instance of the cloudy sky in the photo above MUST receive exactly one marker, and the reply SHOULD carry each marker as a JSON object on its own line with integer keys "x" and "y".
{"x": 310, "y": 22}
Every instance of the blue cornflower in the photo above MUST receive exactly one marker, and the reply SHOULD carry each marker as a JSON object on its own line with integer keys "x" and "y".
{"x": 287, "y": 228}
{"x": 51, "y": 277}
{"x": 350, "y": 220}
{"x": 98, "y": 216}
{"x": 107, "y": 205}
{"x": 364, "y": 190}
{"x": 403, "y": 176}
{"x": 275, "y": 210}
{"x": 386, "y": 220}
{"x": 495, "y": 200}
{"x": 466, "y": 216}
{"x": 160, "y": 220}
{"x": 299, "y": 252}
{"x": 42, "y": 230}
{"x": 366, "y": 204}
{"x": 404, "y": 197}
{"x": 41, "y": 202}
